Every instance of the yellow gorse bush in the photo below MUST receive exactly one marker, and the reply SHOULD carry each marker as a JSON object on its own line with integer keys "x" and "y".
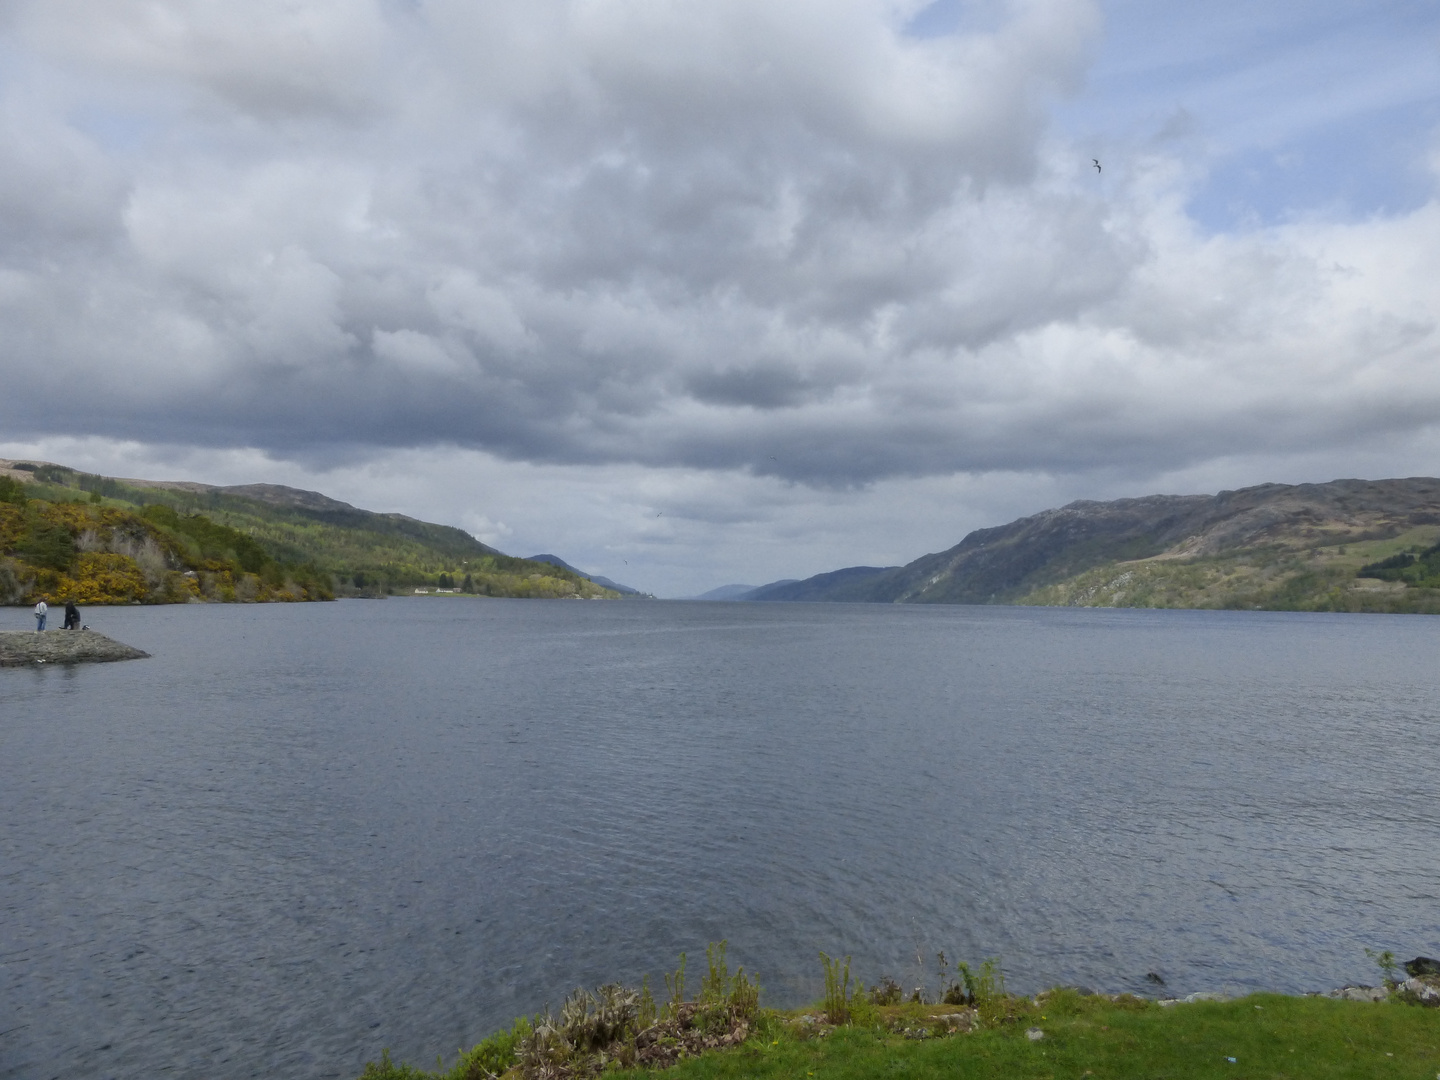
{"x": 102, "y": 578}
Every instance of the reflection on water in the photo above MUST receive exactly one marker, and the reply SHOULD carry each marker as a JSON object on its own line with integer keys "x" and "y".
{"x": 300, "y": 834}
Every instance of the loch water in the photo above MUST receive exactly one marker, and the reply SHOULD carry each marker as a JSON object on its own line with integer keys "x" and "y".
{"x": 300, "y": 834}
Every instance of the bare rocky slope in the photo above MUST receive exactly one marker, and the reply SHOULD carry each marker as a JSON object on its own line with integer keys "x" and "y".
{"x": 1272, "y": 546}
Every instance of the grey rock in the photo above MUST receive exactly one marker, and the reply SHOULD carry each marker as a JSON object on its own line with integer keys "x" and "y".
{"x": 1421, "y": 990}
{"x": 1034, "y": 1034}
{"x": 1360, "y": 993}
{"x": 1422, "y": 965}
{"x": 22, "y": 648}
{"x": 1206, "y": 995}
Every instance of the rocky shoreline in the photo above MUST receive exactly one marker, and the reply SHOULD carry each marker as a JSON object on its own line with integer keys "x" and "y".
{"x": 24, "y": 648}
{"x": 1421, "y": 987}
{"x": 1419, "y": 990}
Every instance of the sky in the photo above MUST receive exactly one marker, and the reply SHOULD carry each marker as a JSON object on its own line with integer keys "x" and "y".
{"x": 692, "y": 293}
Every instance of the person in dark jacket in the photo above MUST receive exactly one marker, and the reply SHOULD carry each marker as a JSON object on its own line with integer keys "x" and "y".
{"x": 72, "y": 616}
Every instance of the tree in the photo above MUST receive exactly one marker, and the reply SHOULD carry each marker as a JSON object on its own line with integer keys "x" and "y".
{"x": 46, "y": 545}
{"x": 12, "y": 491}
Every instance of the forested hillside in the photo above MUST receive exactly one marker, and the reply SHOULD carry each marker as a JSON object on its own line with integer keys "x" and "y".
{"x": 93, "y": 539}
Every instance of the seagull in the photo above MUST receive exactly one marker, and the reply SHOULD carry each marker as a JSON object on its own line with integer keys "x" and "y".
{"x": 1097, "y": 164}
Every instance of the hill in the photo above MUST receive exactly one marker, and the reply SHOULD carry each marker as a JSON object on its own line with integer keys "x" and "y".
{"x": 1348, "y": 545}
{"x": 95, "y": 539}
{"x": 555, "y": 560}
{"x": 851, "y": 583}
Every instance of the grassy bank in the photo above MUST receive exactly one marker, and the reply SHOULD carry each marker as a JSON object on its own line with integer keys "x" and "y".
{"x": 977, "y": 1031}
{"x": 1264, "y": 1035}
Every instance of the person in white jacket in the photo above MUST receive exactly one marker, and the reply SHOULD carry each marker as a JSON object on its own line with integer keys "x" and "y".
{"x": 40, "y": 609}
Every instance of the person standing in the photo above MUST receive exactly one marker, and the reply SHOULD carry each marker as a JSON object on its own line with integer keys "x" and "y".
{"x": 40, "y": 609}
{"x": 72, "y": 616}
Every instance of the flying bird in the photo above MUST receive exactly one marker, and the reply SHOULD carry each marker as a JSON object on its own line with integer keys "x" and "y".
{"x": 1097, "y": 164}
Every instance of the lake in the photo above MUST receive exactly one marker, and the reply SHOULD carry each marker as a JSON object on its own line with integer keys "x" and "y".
{"x": 301, "y": 834}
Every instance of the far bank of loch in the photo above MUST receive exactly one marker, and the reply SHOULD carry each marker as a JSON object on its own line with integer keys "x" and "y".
{"x": 67, "y": 535}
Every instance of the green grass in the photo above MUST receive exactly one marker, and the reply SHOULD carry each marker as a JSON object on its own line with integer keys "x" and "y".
{"x": 1268, "y": 1036}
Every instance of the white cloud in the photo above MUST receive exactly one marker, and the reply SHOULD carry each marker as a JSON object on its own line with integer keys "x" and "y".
{"x": 715, "y": 273}
{"x": 490, "y": 532}
{"x": 266, "y": 56}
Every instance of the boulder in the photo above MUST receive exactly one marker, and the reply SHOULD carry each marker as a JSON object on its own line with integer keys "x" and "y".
{"x": 1422, "y": 965}
{"x": 1420, "y": 990}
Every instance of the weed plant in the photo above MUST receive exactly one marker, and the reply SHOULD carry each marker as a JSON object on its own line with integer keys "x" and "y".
{"x": 612, "y": 1027}
{"x": 837, "y": 989}
{"x": 675, "y": 986}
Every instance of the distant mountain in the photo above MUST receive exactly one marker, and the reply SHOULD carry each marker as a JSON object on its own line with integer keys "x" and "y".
{"x": 853, "y": 583}
{"x": 726, "y": 592}
{"x": 1274, "y": 546}
{"x": 604, "y": 582}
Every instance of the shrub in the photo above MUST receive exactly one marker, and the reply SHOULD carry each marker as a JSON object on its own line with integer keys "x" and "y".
{"x": 102, "y": 578}
{"x": 886, "y": 992}
{"x": 1387, "y": 964}
{"x": 493, "y": 1056}
{"x": 984, "y": 988}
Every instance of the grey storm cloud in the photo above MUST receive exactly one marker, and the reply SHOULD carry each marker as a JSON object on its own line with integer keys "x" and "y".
{"x": 787, "y": 238}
